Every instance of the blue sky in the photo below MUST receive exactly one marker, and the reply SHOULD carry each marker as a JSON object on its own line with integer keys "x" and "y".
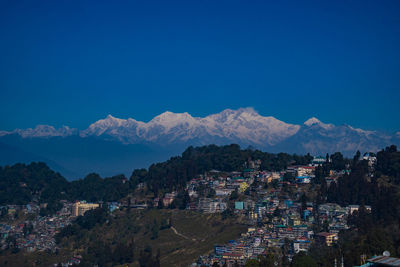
{"x": 73, "y": 62}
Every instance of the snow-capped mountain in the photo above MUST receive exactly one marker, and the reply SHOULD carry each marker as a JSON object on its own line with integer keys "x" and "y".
{"x": 244, "y": 126}
{"x": 315, "y": 121}
{"x": 42, "y": 131}
{"x": 317, "y": 137}
{"x": 112, "y": 145}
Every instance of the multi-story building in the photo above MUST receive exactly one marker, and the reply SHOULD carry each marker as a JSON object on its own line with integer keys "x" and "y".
{"x": 79, "y": 208}
{"x": 327, "y": 238}
{"x": 208, "y": 205}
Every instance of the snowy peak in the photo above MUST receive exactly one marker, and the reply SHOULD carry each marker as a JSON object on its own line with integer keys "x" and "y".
{"x": 43, "y": 131}
{"x": 110, "y": 125}
{"x": 314, "y": 121}
{"x": 110, "y": 121}
{"x": 229, "y": 114}
{"x": 244, "y": 126}
{"x": 170, "y": 119}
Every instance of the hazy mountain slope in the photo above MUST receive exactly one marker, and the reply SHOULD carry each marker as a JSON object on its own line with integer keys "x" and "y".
{"x": 81, "y": 156}
{"x": 316, "y": 137}
{"x": 10, "y": 155}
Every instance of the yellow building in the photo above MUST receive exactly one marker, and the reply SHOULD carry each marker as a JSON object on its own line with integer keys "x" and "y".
{"x": 327, "y": 238}
{"x": 294, "y": 220}
{"x": 253, "y": 215}
{"x": 243, "y": 187}
{"x": 80, "y": 208}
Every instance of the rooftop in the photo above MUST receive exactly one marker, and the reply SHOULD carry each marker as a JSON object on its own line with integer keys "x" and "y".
{"x": 385, "y": 261}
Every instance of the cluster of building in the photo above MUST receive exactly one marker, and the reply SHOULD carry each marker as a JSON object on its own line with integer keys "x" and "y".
{"x": 278, "y": 220}
{"x": 291, "y": 229}
{"x": 35, "y": 232}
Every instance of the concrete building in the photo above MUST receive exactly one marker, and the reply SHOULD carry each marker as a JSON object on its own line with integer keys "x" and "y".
{"x": 327, "y": 238}
{"x": 79, "y": 208}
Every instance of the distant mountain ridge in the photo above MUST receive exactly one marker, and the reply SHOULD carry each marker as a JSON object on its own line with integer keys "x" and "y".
{"x": 243, "y": 126}
{"x": 173, "y": 132}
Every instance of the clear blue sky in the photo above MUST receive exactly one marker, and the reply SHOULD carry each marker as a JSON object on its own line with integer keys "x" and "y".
{"x": 73, "y": 62}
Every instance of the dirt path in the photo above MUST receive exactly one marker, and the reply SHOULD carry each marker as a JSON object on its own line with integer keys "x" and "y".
{"x": 181, "y": 235}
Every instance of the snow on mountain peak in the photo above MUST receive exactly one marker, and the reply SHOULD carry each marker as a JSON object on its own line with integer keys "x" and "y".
{"x": 361, "y": 131}
{"x": 107, "y": 125}
{"x": 45, "y": 131}
{"x": 243, "y": 126}
{"x": 249, "y": 126}
{"x": 314, "y": 121}
{"x": 169, "y": 116}
{"x": 169, "y": 120}
{"x": 110, "y": 117}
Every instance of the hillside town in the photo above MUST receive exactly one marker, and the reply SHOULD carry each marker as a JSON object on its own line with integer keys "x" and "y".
{"x": 278, "y": 216}
{"x": 28, "y": 231}
{"x": 272, "y": 204}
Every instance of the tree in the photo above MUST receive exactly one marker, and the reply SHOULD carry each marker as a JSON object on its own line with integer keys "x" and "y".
{"x": 356, "y": 157}
{"x": 289, "y": 177}
{"x": 252, "y": 263}
{"x": 211, "y": 193}
{"x": 154, "y": 230}
{"x": 267, "y": 260}
{"x": 92, "y": 217}
{"x": 332, "y": 192}
{"x": 303, "y": 260}
{"x": 338, "y": 163}
{"x": 234, "y": 195}
{"x": 303, "y": 200}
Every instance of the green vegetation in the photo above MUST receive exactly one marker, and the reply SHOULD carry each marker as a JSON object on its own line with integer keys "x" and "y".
{"x": 176, "y": 237}
{"x": 174, "y": 173}
{"x": 172, "y": 237}
{"x": 371, "y": 233}
{"x": 303, "y": 260}
{"x": 39, "y": 258}
{"x": 262, "y": 261}
{"x": 21, "y": 184}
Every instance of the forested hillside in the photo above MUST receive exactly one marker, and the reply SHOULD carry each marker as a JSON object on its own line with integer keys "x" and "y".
{"x": 174, "y": 173}
{"x": 21, "y": 183}
{"x": 371, "y": 233}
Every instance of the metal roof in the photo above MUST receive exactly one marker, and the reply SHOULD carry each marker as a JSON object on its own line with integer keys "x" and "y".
{"x": 385, "y": 261}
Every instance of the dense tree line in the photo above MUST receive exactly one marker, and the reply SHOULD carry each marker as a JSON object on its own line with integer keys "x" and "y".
{"x": 373, "y": 232}
{"x": 94, "y": 188}
{"x": 363, "y": 186}
{"x": 174, "y": 173}
{"x": 388, "y": 163}
{"x": 101, "y": 252}
{"x": 21, "y": 184}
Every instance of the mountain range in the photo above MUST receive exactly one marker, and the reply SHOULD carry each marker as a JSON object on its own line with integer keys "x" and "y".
{"x": 112, "y": 145}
